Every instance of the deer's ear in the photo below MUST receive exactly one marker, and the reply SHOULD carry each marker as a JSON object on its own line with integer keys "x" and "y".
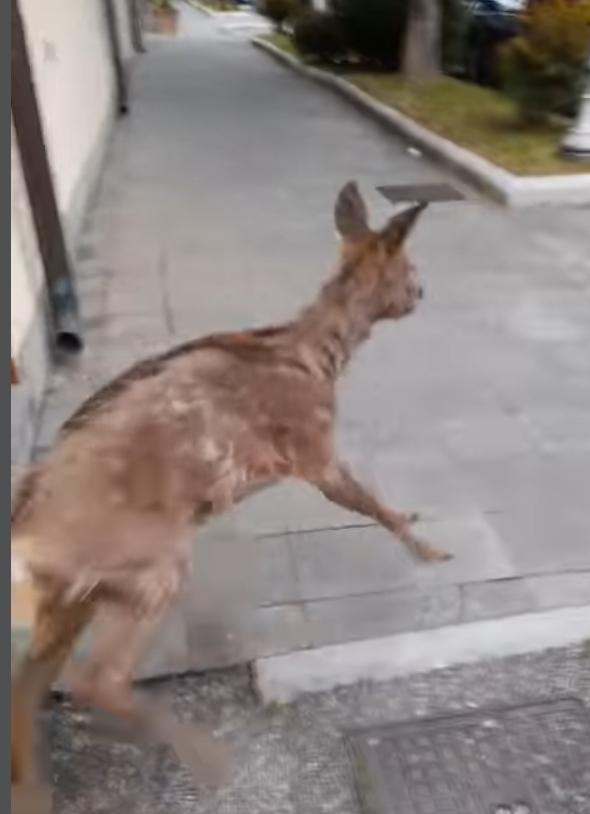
{"x": 350, "y": 213}
{"x": 400, "y": 226}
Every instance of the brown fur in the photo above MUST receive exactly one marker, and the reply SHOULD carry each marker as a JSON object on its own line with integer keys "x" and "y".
{"x": 104, "y": 523}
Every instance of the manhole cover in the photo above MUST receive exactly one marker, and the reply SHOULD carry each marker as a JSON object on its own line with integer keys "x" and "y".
{"x": 521, "y": 760}
{"x": 420, "y": 193}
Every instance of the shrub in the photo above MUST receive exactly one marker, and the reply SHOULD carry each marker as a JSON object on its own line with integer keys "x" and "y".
{"x": 278, "y": 11}
{"x": 544, "y": 69}
{"x": 373, "y": 28}
{"x": 319, "y": 34}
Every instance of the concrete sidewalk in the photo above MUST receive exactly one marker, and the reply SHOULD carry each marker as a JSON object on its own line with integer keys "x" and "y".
{"x": 241, "y": 22}
{"x": 215, "y": 212}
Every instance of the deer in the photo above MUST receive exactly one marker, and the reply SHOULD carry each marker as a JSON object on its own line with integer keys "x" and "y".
{"x": 103, "y": 525}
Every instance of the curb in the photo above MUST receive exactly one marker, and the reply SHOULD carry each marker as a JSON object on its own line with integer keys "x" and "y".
{"x": 203, "y": 9}
{"x": 500, "y": 184}
{"x": 280, "y": 679}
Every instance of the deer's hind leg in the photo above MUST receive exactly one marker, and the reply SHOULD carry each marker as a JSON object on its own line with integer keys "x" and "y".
{"x": 123, "y": 633}
{"x": 56, "y": 626}
{"x": 105, "y": 679}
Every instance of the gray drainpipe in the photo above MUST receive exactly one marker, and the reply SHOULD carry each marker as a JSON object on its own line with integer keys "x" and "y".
{"x": 64, "y": 307}
{"x": 41, "y": 194}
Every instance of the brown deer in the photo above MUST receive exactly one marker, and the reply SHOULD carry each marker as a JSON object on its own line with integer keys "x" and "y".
{"x": 103, "y": 524}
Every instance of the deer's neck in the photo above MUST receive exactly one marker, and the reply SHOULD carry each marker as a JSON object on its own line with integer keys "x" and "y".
{"x": 332, "y": 328}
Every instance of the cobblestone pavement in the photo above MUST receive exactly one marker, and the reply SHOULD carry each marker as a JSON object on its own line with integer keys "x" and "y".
{"x": 287, "y": 759}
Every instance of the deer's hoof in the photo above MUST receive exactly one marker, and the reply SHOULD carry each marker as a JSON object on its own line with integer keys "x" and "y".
{"x": 429, "y": 553}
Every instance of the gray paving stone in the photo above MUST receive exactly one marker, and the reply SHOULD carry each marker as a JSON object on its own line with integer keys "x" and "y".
{"x": 544, "y": 541}
{"x": 487, "y": 600}
{"x": 566, "y": 429}
{"x": 21, "y": 424}
{"x": 218, "y": 641}
{"x": 434, "y": 486}
{"x": 88, "y": 285}
{"x": 527, "y": 480}
{"x": 291, "y": 507}
{"x": 560, "y": 590}
{"x": 124, "y": 328}
{"x": 91, "y": 308}
{"x": 488, "y": 436}
{"x": 374, "y": 615}
{"x": 169, "y": 653}
{"x": 131, "y": 294}
{"x": 233, "y": 568}
{"x": 361, "y": 560}
{"x": 539, "y": 507}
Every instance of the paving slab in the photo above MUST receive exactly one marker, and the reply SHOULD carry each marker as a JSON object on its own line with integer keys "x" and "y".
{"x": 493, "y": 598}
{"x": 215, "y": 213}
{"x": 557, "y": 590}
{"x": 363, "y": 616}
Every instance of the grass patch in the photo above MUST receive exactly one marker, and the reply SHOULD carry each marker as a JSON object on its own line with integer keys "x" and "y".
{"x": 219, "y": 5}
{"x": 284, "y": 42}
{"x": 480, "y": 119}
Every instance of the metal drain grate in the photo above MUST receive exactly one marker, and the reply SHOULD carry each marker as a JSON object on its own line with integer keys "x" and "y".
{"x": 420, "y": 193}
{"x": 532, "y": 759}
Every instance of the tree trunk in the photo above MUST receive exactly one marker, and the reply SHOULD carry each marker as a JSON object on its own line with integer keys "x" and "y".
{"x": 422, "y": 48}
{"x": 577, "y": 141}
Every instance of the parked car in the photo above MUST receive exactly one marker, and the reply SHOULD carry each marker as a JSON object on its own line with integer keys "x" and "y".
{"x": 489, "y": 24}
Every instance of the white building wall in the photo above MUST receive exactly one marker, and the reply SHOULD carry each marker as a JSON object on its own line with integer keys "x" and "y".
{"x": 72, "y": 68}
{"x": 124, "y": 27}
{"x": 28, "y": 335}
{"x": 74, "y": 78}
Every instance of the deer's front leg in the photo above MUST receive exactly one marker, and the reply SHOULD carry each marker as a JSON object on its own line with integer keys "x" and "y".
{"x": 339, "y": 486}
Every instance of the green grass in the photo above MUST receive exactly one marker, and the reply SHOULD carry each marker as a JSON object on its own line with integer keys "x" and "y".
{"x": 479, "y": 119}
{"x": 284, "y": 42}
{"x": 219, "y": 5}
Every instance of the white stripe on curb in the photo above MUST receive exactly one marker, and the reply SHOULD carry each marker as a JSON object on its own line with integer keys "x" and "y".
{"x": 283, "y": 678}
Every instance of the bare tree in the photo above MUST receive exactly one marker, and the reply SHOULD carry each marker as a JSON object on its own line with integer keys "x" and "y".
{"x": 421, "y": 56}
